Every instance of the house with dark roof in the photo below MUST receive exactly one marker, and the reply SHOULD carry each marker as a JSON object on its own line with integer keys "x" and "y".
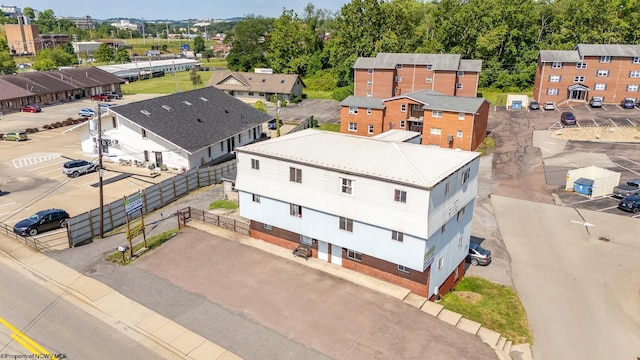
{"x": 181, "y": 131}
{"x": 251, "y": 87}
{"x": 55, "y": 86}
{"x": 392, "y": 74}
{"x": 608, "y": 71}
{"x": 455, "y": 122}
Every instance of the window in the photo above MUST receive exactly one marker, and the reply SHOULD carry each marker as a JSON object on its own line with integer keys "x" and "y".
{"x": 403, "y": 107}
{"x": 255, "y": 164}
{"x": 602, "y": 73}
{"x": 556, "y": 65}
{"x": 114, "y": 123}
{"x": 370, "y": 129}
{"x": 398, "y": 78}
{"x": 397, "y": 236}
{"x": 353, "y": 126}
{"x": 368, "y": 111}
{"x": 399, "y": 67}
{"x": 465, "y": 175}
{"x": 440, "y": 262}
{"x": 460, "y": 242}
{"x": 256, "y": 198}
{"x": 353, "y": 109}
{"x": 436, "y": 113}
{"x": 461, "y": 214}
{"x": 459, "y": 133}
{"x": 403, "y": 269}
{"x": 600, "y": 87}
{"x": 250, "y": 93}
{"x": 428, "y": 80}
{"x": 605, "y": 59}
{"x": 631, "y": 87}
{"x": 295, "y": 175}
{"x": 554, "y": 78}
{"x": 578, "y": 79}
{"x": 295, "y": 210}
{"x": 346, "y": 186}
{"x": 307, "y": 240}
{"x": 369, "y": 82}
{"x": 634, "y": 74}
{"x": 368, "y": 95}
{"x": 635, "y": 60}
{"x": 346, "y": 224}
{"x": 144, "y": 133}
{"x": 443, "y": 228}
{"x": 233, "y": 81}
{"x": 400, "y": 196}
{"x": 435, "y": 131}
{"x": 353, "y": 255}
{"x": 552, "y": 91}
{"x": 267, "y": 226}
{"x": 369, "y": 71}
{"x": 221, "y": 146}
{"x": 459, "y": 86}
{"x": 429, "y": 66}
{"x": 402, "y": 123}
{"x": 460, "y": 116}
{"x": 447, "y": 188}
{"x": 581, "y": 65}
{"x": 460, "y": 73}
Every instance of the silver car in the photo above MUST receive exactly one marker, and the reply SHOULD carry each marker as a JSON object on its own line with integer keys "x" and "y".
{"x": 478, "y": 255}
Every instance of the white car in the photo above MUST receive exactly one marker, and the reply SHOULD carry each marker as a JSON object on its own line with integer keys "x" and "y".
{"x": 87, "y": 112}
{"x": 549, "y": 105}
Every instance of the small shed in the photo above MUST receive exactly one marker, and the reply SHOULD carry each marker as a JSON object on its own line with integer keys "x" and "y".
{"x": 229, "y": 182}
{"x": 517, "y": 101}
{"x": 583, "y": 186}
{"x": 592, "y": 181}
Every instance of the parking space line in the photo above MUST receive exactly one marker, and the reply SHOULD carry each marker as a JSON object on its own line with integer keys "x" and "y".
{"x": 635, "y": 172}
{"x": 609, "y": 208}
{"x": 614, "y": 124}
{"x": 594, "y": 121}
{"x": 629, "y": 160}
{"x": 11, "y": 203}
{"x": 635, "y": 216}
{"x": 631, "y": 122}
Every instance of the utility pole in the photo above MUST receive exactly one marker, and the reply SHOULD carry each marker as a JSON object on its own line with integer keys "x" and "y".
{"x": 144, "y": 39}
{"x": 100, "y": 172}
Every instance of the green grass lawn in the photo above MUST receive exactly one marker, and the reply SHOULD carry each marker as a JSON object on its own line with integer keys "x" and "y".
{"x": 495, "y": 306}
{"x": 318, "y": 94}
{"x": 223, "y": 204}
{"x": 167, "y": 84}
{"x": 152, "y": 242}
{"x": 329, "y": 127}
{"x": 498, "y": 97}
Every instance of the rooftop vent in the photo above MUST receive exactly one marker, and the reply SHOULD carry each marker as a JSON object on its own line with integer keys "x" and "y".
{"x": 203, "y": 99}
{"x": 282, "y": 81}
{"x": 199, "y": 120}
{"x": 263, "y": 80}
{"x": 186, "y": 103}
{"x": 167, "y": 107}
{"x": 226, "y": 111}
{"x": 145, "y": 112}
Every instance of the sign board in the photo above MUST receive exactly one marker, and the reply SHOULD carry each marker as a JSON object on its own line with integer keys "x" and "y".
{"x": 429, "y": 256}
{"x": 135, "y": 231}
{"x": 133, "y": 203}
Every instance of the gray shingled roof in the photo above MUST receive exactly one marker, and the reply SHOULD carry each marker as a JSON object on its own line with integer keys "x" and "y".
{"x": 450, "y": 62}
{"x": 195, "y": 119}
{"x": 435, "y": 101}
{"x": 267, "y": 83}
{"x": 470, "y": 65}
{"x": 625, "y": 50}
{"x": 363, "y": 102}
{"x": 559, "y": 56}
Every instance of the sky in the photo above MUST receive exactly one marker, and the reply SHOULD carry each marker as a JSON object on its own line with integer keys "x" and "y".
{"x": 173, "y": 10}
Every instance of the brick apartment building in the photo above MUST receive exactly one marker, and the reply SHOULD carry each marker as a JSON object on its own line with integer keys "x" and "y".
{"x": 446, "y": 121}
{"x": 610, "y": 71}
{"x": 391, "y": 74}
{"x": 23, "y": 38}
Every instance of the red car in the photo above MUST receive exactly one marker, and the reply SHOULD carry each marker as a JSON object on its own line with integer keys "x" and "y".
{"x": 100, "y": 97}
{"x": 31, "y": 108}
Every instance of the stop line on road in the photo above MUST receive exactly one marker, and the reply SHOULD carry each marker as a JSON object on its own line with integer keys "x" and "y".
{"x": 34, "y": 159}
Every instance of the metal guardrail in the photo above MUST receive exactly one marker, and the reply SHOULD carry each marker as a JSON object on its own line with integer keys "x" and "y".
{"x": 45, "y": 242}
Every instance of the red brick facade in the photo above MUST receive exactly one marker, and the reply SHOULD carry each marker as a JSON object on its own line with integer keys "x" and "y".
{"x": 579, "y": 75}
{"x": 366, "y": 122}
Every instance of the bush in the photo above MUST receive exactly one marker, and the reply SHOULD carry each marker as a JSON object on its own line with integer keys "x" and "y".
{"x": 340, "y": 94}
{"x": 296, "y": 99}
{"x": 321, "y": 81}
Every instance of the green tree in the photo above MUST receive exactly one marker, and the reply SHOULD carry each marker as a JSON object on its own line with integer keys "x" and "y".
{"x": 7, "y": 63}
{"x": 249, "y": 39}
{"x": 29, "y": 12}
{"x": 122, "y": 56}
{"x": 49, "y": 59}
{"x": 198, "y": 45}
{"x": 195, "y": 77}
{"x": 104, "y": 53}
{"x": 291, "y": 45}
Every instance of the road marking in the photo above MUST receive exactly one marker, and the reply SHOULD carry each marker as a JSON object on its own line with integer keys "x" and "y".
{"x": 629, "y": 160}
{"x": 11, "y": 203}
{"x": 26, "y": 341}
{"x": 635, "y": 172}
{"x": 33, "y": 159}
{"x": 631, "y": 122}
{"x": 609, "y": 208}
{"x": 614, "y": 124}
{"x": 583, "y": 223}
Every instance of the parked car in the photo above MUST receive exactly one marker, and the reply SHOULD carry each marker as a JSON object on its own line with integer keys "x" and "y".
{"x": 534, "y": 105}
{"x": 75, "y": 168}
{"x": 86, "y": 112}
{"x": 113, "y": 95}
{"x": 478, "y": 255}
{"x": 628, "y": 104}
{"x": 31, "y": 108}
{"x": 630, "y": 204}
{"x": 549, "y": 105}
{"x": 101, "y": 97}
{"x": 595, "y": 102}
{"x": 105, "y": 106}
{"x": 567, "y": 118}
{"x": 630, "y": 188}
{"x": 42, "y": 221}
{"x": 272, "y": 124}
{"x": 15, "y": 136}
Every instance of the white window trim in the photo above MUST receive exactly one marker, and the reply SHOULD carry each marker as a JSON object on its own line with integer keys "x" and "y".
{"x": 605, "y": 59}
{"x": 459, "y": 133}
{"x": 581, "y": 65}
{"x": 353, "y": 126}
{"x": 556, "y": 65}
{"x": 353, "y": 255}
{"x": 440, "y": 262}
{"x": 554, "y": 78}
{"x": 578, "y": 79}
{"x": 353, "y": 110}
{"x": 370, "y": 129}
{"x": 403, "y": 107}
{"x": 602, "y": 73}
{"x": 435, "y": 131}
{"x": 436, "y": 113}
{"x": 350, "y": 184}
{"x": 403, "y": 269}
{"x": 600, "y": 87}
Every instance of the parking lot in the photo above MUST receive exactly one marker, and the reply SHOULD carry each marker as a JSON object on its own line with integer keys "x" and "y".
{"x": 608, "y": 115}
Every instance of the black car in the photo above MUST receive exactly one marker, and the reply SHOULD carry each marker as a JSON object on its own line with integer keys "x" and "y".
{"x": 42, "y": 221}
{"x": 567, "y": 118}
{"x": 630, "y": 204}
{"x": 272, "y": 124}
{"x": 534, "y": 105}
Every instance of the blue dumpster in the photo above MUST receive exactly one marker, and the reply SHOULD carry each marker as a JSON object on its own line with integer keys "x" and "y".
{"x": 516, "y": 105}
{"x": 583, "y": 186}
